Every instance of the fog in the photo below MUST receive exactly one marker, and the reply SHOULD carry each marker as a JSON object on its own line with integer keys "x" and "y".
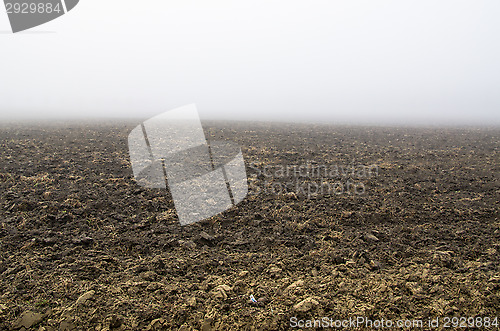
{"x": 388, "y": 62}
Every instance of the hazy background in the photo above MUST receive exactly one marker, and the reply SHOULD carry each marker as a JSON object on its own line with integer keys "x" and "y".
{"x": 411, "y": 62}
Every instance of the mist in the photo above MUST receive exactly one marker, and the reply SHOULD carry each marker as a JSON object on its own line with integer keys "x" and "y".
{"x": 361, "y": 62}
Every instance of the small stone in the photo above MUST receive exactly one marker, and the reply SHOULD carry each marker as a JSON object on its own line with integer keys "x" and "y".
{"x": 374, "y": 265}
{"x": 84, "y": 297}
{"x": 274, "y": 270}
{"x": 295, "y": 285}
{"x": 306, "y": 305}
{"x": 153, "y": 287}
{"x": 371, "y": 237}
{"x": 206, "y": 236}
{"x": 224, "y": 287}
{"x": 262, "y": 300}
{"x": 243, "y": 273}
{"x": 191, "y": 302}
{"x": 205, "y": 239}
{"x": 156, "y": 324}
{"x": 27, "y": 320}
{"x": 149, "y": 276}
{"x": 189, "y": 244}
{"x": 83, "y": 241}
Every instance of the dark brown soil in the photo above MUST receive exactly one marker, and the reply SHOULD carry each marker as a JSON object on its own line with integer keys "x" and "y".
{"x": 84, "y": 247}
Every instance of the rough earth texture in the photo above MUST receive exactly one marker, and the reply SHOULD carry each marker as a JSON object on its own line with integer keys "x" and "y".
{"x": 83, "y": 247}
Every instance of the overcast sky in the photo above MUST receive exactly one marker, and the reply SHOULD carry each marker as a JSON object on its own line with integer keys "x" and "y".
{"x": 383, "y": 61}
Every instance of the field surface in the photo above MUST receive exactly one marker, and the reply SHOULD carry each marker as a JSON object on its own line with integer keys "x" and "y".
{"x": 340, "y": 222}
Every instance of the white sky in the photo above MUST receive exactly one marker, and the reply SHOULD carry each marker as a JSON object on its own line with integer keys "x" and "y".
{"x": 383, "y": 61}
